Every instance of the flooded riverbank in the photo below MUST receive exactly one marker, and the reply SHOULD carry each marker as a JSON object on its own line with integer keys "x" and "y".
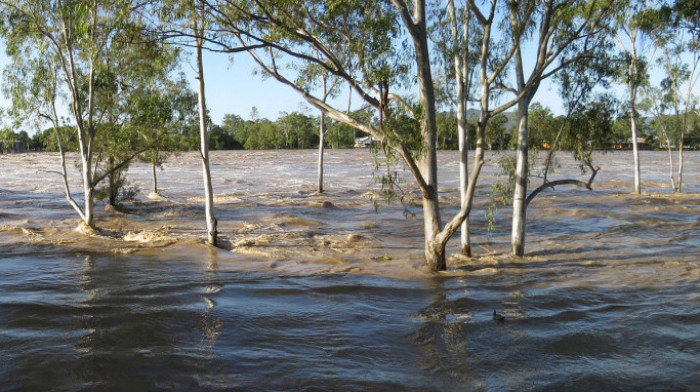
{"x": 320, "y": 292}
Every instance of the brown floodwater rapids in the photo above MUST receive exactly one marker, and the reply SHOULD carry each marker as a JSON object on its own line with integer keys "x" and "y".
{"x": 324, "y": 292}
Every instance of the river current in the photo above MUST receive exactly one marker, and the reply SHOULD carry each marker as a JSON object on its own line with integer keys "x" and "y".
{"x": 326, "y": 293}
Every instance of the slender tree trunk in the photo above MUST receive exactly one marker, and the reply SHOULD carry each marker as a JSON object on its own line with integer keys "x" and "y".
{"x": 464, "y": 177}
{"x": 679, "y": 187}
{"x": 64, "y": 171}
{"x": 633, "y": 74}
{"x": 686, "y": 125}
{"x": 321, "y": 142}
{"x": 635, "y": 147}
{"x": 460, "y": 67}
{"x": 204, "y": 143}
{"x": 322, "y": 135}
{"x": 520, "y": 192}
{"x": 521, "y": 170}
{"x": 112, "y": 178}
{"x": 153, "y": 172}
{"x": 670, "y": 160}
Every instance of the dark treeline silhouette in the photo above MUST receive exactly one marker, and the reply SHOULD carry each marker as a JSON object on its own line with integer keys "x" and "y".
{"x": 299, "y": 131}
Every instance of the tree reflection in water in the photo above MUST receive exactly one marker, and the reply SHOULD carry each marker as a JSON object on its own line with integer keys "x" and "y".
{"x": 460, "y": 339}
{"x": 140, "y": 327}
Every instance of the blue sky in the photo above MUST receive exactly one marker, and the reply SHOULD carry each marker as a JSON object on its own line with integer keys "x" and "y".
{"x": 233, "y": 87}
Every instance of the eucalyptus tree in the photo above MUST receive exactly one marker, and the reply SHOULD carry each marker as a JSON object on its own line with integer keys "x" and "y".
{"x": 32, "y": 85}
{"x": 674, "y": 30}
{"x": 380, "y": 49}
{"x": 562, "y": 33}
{"x": 317, "y": 77}
{"x": 322, "y": 133}
{"x": 160, "y": 112}
{"x": 454, "y": 31}
{"x": 495, "y": 55}
{"x": 76, "y": 45}
{"x": 633, "y": 70}
{"x": 187, "y": 24}
{"x": 199, "y": 22}
{"x": 451, "y": 32}
{"x": 137, "y": 70}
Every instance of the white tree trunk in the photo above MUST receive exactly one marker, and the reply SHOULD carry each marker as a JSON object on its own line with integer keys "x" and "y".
{"x": 322, "y": 134}
{"x": 204, "y": 149}
{"x": 463, "y": 176}
{"x": 520, "y": 192}
{"x": 154, "y": 174}
{"x": 321, "y": 142}
{"x": 635, "y": 148}
{"x": 434, "y": 249}
{"x": 461, "y": 70}
{"x": 679, "y": 188}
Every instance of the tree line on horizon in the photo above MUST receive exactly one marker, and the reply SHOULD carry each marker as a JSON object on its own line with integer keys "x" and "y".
{"x": 417, "y": 68}
{"x": 300, "y": 131}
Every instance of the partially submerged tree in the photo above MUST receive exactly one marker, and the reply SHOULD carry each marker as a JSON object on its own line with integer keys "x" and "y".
{"x": 312, "y": 77}
{"x": 586, "y": 125}
{"x": 334, "y": 36}
{"x": 563, "y": 33}
{"x": 675, "y": 31}
{"x": 633, "y": 71}
{"x": 186, "y": 23}
{"x": 32, "y": 85}
{"x": 453, "y": 31}
{"x": 160, "y": 113}
{"x": 77, "y": 44}
{"x": 199, "y": 21}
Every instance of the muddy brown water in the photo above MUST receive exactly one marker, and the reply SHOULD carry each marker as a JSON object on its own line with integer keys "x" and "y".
{"x": 322, "y": 292}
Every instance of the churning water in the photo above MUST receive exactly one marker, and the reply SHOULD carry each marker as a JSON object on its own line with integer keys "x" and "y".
{"x": 320, "y": 292}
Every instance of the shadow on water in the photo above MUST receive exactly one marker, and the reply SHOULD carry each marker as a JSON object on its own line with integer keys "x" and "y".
{"x": 124, "y": 326}
{"x": 140, "y": 330}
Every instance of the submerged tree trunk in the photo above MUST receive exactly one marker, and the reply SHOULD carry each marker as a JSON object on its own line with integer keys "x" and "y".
{"x": 62, "y": 151}
{"x": 321, "y": 146}
{"x": 633, "y": 81}
{"x": 83, "y": 116}
{"x": 635, "y": 147}
{"x": 153, "y": 173}
{"x": 461, "y": 71}
{"x": 423, "y": 166}
{"x": 520, "y": 191}
{"x": 204, "y": 139}
{"x": 434, "y": 256}
{"x": 464, "y": 177}
{"x": 322, "y": 134}
{"x": 679, "y": 188}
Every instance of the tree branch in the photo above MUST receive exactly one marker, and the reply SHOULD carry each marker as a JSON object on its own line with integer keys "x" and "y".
{"x": 552, "y": 184}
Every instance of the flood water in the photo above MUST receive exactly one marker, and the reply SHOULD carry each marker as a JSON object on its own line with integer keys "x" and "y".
{"x": 323, "y": 292}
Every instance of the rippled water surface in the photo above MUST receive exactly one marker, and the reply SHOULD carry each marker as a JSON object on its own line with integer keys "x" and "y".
{"x": 323, "y": 293}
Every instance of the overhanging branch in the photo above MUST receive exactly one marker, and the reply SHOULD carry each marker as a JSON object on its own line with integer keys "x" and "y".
{"x": 570, "y": 181}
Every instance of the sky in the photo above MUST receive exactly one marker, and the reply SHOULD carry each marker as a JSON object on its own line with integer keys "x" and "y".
{"x": 233, "y": 87}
